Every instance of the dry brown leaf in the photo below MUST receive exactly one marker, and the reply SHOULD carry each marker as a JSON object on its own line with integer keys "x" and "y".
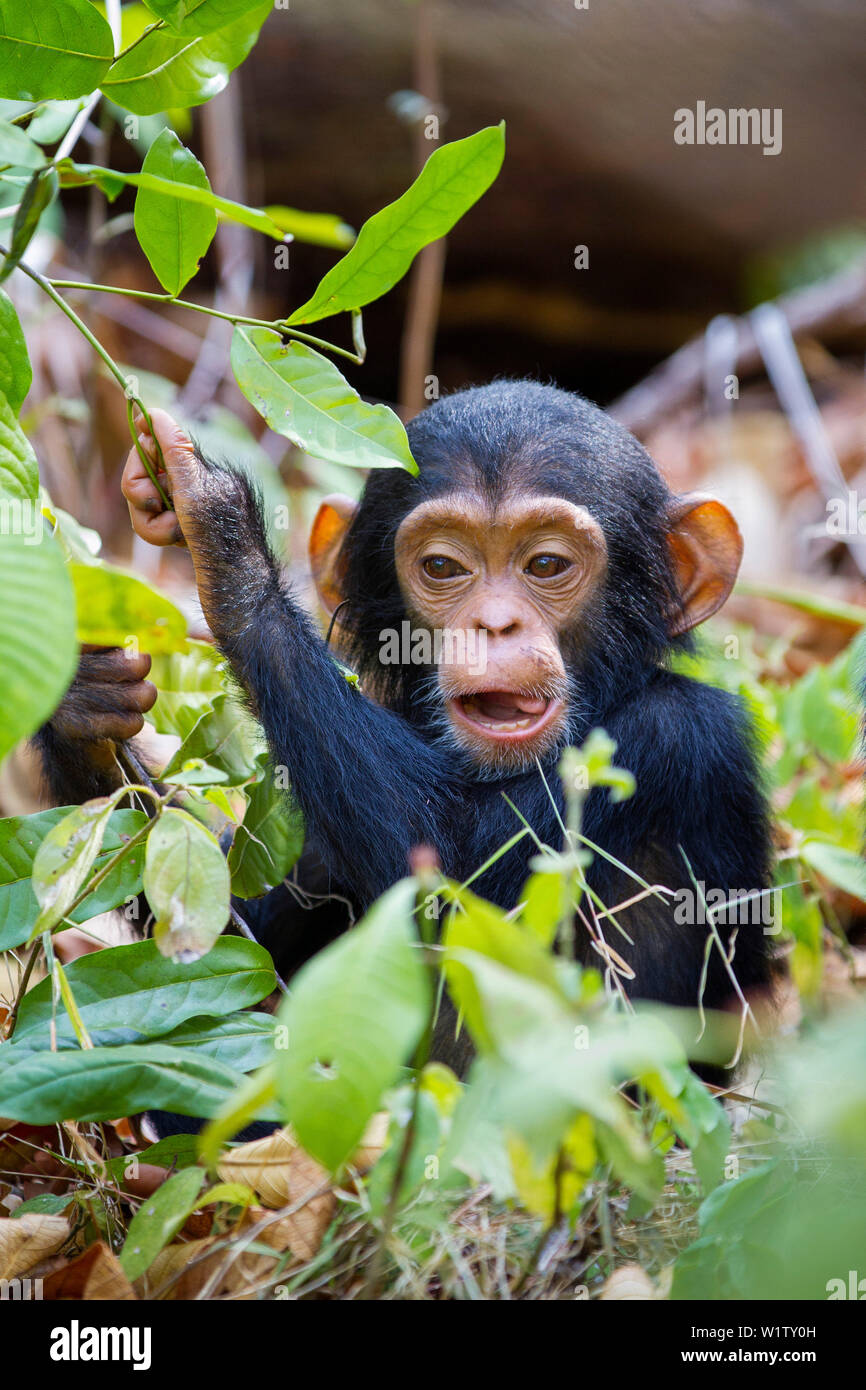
{"x": 630, "y": 1282}
{"x": 279, "y": 1170}
{"x": 170, "y": 1262}
{"x": 373, "y": 1143}
{"x": 28, "y": 1239}
{"x": 95, "y": 1274}
{"x": 188, "y": 1268}
{"x": 303, "y": 1230}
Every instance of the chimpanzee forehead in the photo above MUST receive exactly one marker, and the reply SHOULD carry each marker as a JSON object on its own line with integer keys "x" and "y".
{"x": 482, "y": 514}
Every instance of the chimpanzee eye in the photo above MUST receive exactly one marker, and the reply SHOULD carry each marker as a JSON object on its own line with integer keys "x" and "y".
{"x": 546, "y": 566}
{"x": 442, "y": 567}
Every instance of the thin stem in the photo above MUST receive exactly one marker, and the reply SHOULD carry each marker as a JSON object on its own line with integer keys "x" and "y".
{"x": 160, "y": 24}
{"x": 70, "y": 313}
{"x": 22, "y": 989}
{"x": 46, "y": 285}
{"x": 275, "y": 325}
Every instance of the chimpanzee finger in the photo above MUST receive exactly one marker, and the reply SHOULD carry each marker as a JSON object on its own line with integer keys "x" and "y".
{"x": 109, "y": 665}
{"x": 149, "y": 519}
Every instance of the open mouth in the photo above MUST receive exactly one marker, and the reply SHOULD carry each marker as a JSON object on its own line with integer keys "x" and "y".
{"x": 505, "y": 715}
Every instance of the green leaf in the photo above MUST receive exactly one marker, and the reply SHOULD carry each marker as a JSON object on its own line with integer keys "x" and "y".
{"x": 64, "y": 859}
{"x": 16, "y": 373}
{"x": 226, "y": 738}
{"x": 19, "y": 471}
{"x": 481, "y": 927}
{"x": 100, "y": 1083}
{"x": 111, "y": 181}
{"x": 244, "y": 1041}
{"x": 354, "y": 1014}
{"x": 51, "y": 122}
{"x": 303, "y": 396}
{"x": 168, "y": 70}
{"x": 187, "y": 682}
{"x": 199, "y": 16}
{"x": 39, "y": 194}
{"x": 454, "y": 177}
{"x": 173, "y": 235}
{"x": 50, "y": 50}
{"x": 17, "y": 148}
{"x": 842, "y": 867}
{"x": 20, "y": 838}
{"x": 186, "y": 881}
{"x": 267, "y": 844}
{"x": 158, "y": 1220}
{"x": 134, "y": 992}
{"x": 46, "y": 1204}
{"x": 114, "y": 607}
{"x": 38, "y": 650}
{"x": 315, "y": 228}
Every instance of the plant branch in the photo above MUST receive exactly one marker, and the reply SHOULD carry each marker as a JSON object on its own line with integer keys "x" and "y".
{"x": 151, "y": 28}
{"x": 275, "y": 325}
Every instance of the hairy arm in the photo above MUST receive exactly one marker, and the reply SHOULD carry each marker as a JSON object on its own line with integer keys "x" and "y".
{"x": 368, "y": 786}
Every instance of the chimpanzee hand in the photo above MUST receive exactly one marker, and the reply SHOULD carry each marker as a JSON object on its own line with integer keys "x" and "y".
{"x": 108, "y": 697}
{"x": 147, "y": 512}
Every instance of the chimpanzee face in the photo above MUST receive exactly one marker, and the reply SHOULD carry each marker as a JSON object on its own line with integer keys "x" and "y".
{"x": 505, "y": 581}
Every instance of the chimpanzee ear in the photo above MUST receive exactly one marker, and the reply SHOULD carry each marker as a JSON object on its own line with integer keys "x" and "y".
{"x": 333, "y": 519}
{"x": 706, "y": 547}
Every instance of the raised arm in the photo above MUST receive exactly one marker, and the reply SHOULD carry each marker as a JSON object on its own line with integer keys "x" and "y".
{"x": 369, "y": 787}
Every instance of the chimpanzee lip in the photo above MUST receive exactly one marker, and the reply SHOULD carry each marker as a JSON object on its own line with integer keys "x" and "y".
{"x": 477, "y": 710}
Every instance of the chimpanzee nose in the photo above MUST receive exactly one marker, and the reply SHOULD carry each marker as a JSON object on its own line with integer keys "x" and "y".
{"x": 497, "y": 617}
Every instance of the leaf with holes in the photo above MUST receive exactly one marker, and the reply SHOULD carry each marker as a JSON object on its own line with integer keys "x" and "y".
{"x": 354, "y": 1015}
{"x": 186, "y": 880}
